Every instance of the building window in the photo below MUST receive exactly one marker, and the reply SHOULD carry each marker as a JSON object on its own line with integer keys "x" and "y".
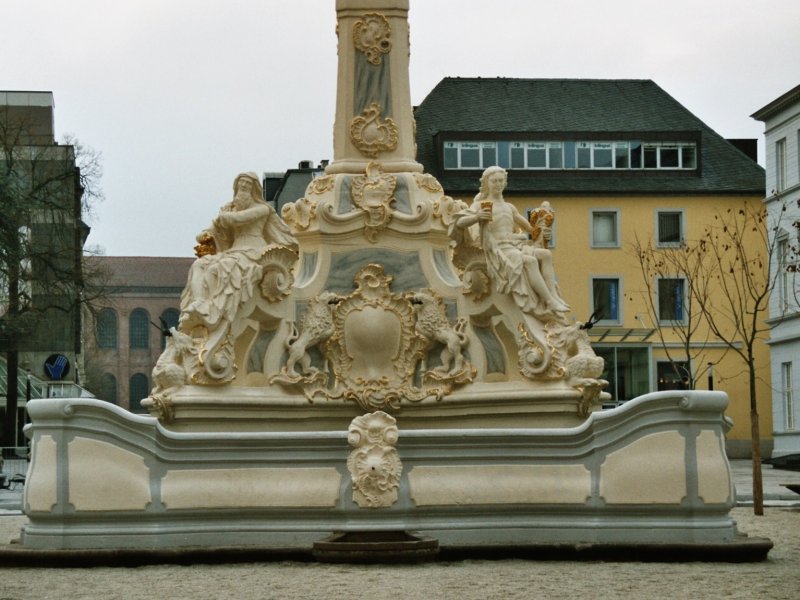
{"x": 674, "y": 375}
{"x": 784, "y": 278}
{"x": 108, "y": 388}
{"x": 671, "y": 300}
{"x": 139, "y": 329}
{"x": 780, "y": 165}
{"x": 605, "y": 230}
{"x": 788, "y": 394}
{"x": 170, "y": 318}
{"x": 106, "y": 328}
{"x": 138, "y": 391}
{"x": 572, "y": 154}
{"x": 605, "y": 299}
{"x": 670, "y": 227}
{"x": 627, "y": 370}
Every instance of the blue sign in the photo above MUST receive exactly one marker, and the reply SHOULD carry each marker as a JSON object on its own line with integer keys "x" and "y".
{"x": 56, "y": 366}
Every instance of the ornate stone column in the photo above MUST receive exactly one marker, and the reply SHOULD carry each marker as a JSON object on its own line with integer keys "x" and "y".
{"x": 374, "y": 121}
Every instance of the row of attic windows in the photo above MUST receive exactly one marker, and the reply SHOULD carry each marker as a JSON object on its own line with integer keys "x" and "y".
{"x": 538, "y": 155}
{"x": 138, "y": 327}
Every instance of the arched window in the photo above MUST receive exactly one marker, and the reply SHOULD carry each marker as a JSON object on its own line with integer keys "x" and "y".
{"x": 139, "y": 389}
{"x": 170, "y": 317}
{"x": 108, "y": 388}
{"x": 106, "y": 328}
{"x": 139, "y": 329}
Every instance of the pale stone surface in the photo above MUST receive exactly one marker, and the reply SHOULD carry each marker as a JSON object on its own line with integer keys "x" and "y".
{"x": 499, "y": 484}
{"x": 374, "y": 463}
{"x": 250, "y": 487}
{"x": 359, "y": 288}
{"x": 358, "y": 302}
{"x": 41, "y": 492}
{"x": 630, "y": 476}
{"x": 714, "y": 483}
{"x": 106, "y": 477}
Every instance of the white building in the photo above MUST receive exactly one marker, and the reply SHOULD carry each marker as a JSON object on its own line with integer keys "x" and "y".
{"x": 781, "y": 118}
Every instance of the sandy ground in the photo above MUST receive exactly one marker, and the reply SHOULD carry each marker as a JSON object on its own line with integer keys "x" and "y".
{"x": 778, "y": 577}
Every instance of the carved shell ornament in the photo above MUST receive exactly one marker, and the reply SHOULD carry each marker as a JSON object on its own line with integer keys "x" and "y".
{"x": 371, "y": 134}
{"x": 371, "y": 35}
{"x": 374, "y": 463}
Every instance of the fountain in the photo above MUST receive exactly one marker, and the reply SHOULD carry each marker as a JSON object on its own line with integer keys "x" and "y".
{"x": 379, "y": 364}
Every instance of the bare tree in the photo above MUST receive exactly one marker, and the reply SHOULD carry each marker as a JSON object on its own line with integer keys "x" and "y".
{"x": 45, "y": 189}
{"x": 687, "y": 332}
{"x": 741, "y": 250}
{"x": 730, "y": 272}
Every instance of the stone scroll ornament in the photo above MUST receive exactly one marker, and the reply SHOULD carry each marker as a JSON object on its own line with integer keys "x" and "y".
{"x": 371, "y": 134}
{"x": 372, "y": 35}
{"x": 375, "y": 344}
{"x": 373, "y": 193}
{"x": 374, "y": 463}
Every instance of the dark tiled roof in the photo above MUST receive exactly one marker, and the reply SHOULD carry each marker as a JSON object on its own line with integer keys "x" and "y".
{"x": 580, "y": 106}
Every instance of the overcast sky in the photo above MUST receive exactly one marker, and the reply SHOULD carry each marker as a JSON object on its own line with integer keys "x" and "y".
{"x": 181, "y": 95}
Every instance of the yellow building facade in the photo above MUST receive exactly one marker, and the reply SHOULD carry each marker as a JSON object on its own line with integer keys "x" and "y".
{"x": 631, "y": 343}
{"x": 618, "y": 160}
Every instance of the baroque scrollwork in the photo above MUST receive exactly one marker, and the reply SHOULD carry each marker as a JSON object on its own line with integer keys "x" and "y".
{"x": 371, "y": 134}
{"x": 372, "y": 36}
{"x": 377, "y": 344}
{"x": 321, "y": 185}
{"x": 373, "y": 193}
{"x": 374, "y": 463}
{"x": 534, "y": 356}
{"x": 299, "y": 214}
{"x": 429, "y": 183}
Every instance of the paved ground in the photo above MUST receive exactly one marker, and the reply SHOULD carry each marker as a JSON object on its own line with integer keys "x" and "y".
{"x": 776, "y": 578}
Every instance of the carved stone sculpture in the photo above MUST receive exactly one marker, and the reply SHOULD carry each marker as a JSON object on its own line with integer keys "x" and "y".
{"x": 582, "y": 367}
{"x": 515, "y": 266}
{"x": 317, "y": 327}
{"x": 171, "y": 372}
{"x": 374, "y": 464}
{"x": 432, "y": 326}
{"x": 541, "y": 220}
{"x": 245, "y": 252}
